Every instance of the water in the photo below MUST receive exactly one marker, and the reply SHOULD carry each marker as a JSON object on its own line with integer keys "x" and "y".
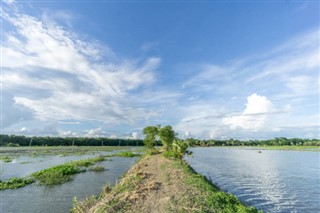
{"x": 274, "y": 180}
{"x": 56, "y": 199}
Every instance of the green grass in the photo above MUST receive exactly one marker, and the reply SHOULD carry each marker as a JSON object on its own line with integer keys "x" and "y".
{"x": 15, "y": 183}
{"x": 57, "y": 174}
{"x": 6, "y": 159}
{"x": 152, "y": 151}
{"x": 211, "y": 197}
{"x": 97, "y": 169}
{"x": 126, "y": 154}
{"x": 54, "y": 175}
{"x": 64, "y": 172}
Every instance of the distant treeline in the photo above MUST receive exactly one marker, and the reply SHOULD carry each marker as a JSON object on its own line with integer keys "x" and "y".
{"x": 18, "y": 140}
{"x": 271, "y": 142}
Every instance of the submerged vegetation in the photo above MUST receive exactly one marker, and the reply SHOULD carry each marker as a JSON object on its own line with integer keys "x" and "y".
{"x": 64, "y": 172}
{"x": 15, "y": 183}
{"x": 61, "y": 173}
{"x": 127, "y": 154}
{"x": 6, "y": 159}
{"x": 97, "y": 169}
{"x": 57, "y": 174}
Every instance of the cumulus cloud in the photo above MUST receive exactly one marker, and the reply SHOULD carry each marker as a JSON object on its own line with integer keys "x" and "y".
{"x": 92, "y": 133}
{"x": 287, "y": 74}
{"x": 68, "y": 133}
{"x": 254, "y": 115}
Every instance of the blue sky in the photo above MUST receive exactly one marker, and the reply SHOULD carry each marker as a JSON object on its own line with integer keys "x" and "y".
{"x": 211, "y": 69}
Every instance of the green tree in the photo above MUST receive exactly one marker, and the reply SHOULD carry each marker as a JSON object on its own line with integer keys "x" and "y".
{"x": 166, "y": 135}
{"x": 180, "y": 148}
{"x": 150, "y": 133}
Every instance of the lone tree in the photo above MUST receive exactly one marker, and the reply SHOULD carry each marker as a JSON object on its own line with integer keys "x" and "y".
{"x": 166, "y": 135}
{"x": 150, "y": 132}
{"x": 180, "y": 148}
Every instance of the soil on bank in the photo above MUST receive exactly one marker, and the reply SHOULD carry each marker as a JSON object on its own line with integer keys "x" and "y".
{"x": 158, "y": 184}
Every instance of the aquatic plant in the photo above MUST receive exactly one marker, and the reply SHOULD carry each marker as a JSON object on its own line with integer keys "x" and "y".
{"x": 64, "y": 172}
{"x": 97, "y": 169}
{"x": 57, "y": 174}
{"x": 15, "y": 183}
{"x": 6, "y": 159}
{"x": 127, "y": 154}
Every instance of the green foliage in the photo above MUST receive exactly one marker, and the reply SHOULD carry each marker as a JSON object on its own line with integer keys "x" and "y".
{"x": 97, "y": 169}
{"x": 212, "y": 198}
{"x": 20, "y": 140}
{"x": 170, "y": 154}
{"x": 166, "y": 135}
{"x": 6, "y": 159}
{"x": 150, "y": 133}
{"x": 180, "y": 148}
{"x": 12, "y": 145}
{"x": 64, "y": 172}
{"x": 281, "y": 141}
{"x": 57, "y": 174}
{"x": 126, "y": 154}
{"x": 15, "y": 183}
{"x": 89, "y": 162}
{"x": 83, "y": 206}
{"x": 152, "y": 151}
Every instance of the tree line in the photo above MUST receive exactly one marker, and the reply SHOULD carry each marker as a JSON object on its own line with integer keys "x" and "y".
{"x": 281, "y": 141}
{"x": 20, "y": 140}
{"x": 153, "y": 137}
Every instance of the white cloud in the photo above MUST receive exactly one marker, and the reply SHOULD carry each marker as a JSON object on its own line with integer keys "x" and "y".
{"x": 98, "y": 132}
{"x": 135, "y": 135}
{"x": 254, "y": 116}
{"x": 198, "y": 117}
{"x": 300, "y": 54}
{"x": 68, "y": 133}
{"x": 23, "y": 129}
{"x": 59, "y": 76}
{"x": 9, "y": 1}
{"x": 303, "y": 84}
{"x": 287, "y": 74}
{"x": 113, "y": 136}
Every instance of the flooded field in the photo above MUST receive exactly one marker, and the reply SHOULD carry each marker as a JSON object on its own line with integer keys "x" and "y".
{"x": 58, "y": 198}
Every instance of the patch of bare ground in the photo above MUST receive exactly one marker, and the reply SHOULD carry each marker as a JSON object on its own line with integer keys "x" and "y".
{"x": 157, "y": 184}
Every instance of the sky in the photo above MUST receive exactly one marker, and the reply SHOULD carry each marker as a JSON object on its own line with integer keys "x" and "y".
{"x": 210, "y": 69}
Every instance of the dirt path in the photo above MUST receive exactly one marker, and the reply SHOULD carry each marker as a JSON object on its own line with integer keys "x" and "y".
{"x": 153, "y": 185}
{"x": 157, "y": 185}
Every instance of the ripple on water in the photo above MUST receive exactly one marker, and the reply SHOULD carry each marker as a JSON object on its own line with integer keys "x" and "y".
{"x": 274, "y": 182}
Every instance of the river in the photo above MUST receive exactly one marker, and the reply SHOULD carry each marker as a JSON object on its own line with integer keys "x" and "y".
{"x": 273, "y": 180}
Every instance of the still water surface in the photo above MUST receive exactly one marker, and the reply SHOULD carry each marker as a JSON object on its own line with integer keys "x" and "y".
{"x": 56, "y": 199}
{"x": 274, "y": 180}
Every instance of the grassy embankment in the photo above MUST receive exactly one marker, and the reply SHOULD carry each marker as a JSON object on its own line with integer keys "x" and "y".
{"x": 159, "y": 184}
{"x": 61, "y": 173}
